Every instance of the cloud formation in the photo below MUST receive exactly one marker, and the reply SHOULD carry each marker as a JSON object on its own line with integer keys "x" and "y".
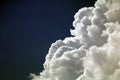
{"x": 93, "y": 52}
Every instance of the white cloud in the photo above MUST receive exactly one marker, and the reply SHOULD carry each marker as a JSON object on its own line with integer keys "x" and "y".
{"x": 93, "y": 52}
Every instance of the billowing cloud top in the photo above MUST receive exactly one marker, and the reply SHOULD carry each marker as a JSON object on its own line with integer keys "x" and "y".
{"x": 94, "y": 51}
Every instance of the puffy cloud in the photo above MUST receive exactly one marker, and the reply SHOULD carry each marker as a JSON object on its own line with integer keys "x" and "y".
{"x": 103, "y": 63}
{"x": 94, "y": 51}
{"x": 63, "y": 60}
{"x": 89, "y": 23}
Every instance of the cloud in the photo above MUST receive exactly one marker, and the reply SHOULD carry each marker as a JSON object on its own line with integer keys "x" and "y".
{"x": 93, "y": 52}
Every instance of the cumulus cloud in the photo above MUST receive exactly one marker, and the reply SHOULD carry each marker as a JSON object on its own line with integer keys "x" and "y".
{"x": 94, "y": 51}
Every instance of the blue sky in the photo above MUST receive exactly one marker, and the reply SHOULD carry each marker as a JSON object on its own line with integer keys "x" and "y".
{"x": 28, "y": 27}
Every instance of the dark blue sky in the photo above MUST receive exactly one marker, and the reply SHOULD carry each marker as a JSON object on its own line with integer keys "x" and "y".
{"x": 27, "y": 29}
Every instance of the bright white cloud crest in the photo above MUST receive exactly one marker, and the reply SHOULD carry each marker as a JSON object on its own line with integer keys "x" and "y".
{"x": 94, "y": 51}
